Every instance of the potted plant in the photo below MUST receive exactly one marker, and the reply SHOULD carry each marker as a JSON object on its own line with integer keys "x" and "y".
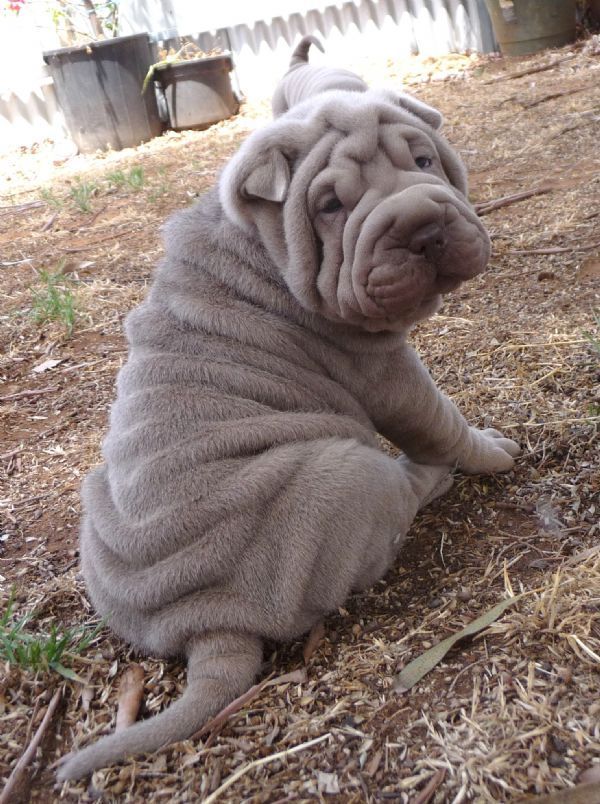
{"x": 97, "y": 76}
{"x": 527, "y": 26}
{"x": 196, "y": 86}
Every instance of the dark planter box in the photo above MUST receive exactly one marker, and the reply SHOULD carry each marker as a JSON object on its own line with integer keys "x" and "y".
{"x": 99, "y": 89}
{"x": 198, "y": 92}
{"x": 528, "y": 26}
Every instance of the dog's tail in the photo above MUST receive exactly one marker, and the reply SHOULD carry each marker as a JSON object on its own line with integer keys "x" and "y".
{"x": 300, "y": 54}
{"x": 220, "y": 667}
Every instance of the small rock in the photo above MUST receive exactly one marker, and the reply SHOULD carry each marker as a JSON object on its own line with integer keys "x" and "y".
{"x": 556, "y": 760}
{"x": 435, "y": 603}
{"x": 560, "y": 746}
{"x": 464, "y": 594}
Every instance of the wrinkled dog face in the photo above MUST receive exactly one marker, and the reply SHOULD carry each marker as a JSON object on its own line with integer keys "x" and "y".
{"x": 362, "y": 206}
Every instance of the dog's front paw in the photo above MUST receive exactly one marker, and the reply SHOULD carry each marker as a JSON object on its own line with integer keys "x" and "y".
{"x": 488, "y": 452}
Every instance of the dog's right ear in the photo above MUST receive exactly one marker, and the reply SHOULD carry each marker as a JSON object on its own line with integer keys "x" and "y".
{"x": 258, "y": 172}
{"x": 269, "y": 179}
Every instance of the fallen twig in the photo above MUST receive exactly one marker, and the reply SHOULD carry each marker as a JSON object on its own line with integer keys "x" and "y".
{"x": 25, "y": 394}
{"x": 221, "y": 717}
{"x": 131, "y": 694}
{"x": 215, "y": 723}
{"x": 258, "y": 762}
{"x": 16, "y": 262}
{"x": 18, "y": 771}
{"x": 98, "y": 240}
{"x": 488, "y": 206}
{"x": 430, "y": 788}
{"x": 587, "y": 419}
{"x": 49, "y": 223}
{"x": 21, "y": 207}
{"x": 96, "y": 215}
{"x": 553, "y": 96}
{"x": 6, "y": 456}
{"x": 553, "y": 250}
{"x": 529, "y": 70}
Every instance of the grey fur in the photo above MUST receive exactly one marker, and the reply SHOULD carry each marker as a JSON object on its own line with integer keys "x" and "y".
{"x": 243, "y": 494}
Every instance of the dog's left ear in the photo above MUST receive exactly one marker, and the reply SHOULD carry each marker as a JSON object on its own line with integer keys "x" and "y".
{"x": 269, "y": 179}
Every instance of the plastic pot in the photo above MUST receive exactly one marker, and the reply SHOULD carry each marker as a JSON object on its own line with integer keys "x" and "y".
{"x": 527, "y": 26}
{"x": 198, "y": 92}
{"x": 99, "y": 89}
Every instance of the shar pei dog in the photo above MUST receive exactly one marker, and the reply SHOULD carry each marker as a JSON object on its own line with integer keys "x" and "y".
{"x": 243, "y": 495}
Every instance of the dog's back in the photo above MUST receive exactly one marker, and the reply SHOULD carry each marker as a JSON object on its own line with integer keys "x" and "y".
{"x": 303, "y": 80}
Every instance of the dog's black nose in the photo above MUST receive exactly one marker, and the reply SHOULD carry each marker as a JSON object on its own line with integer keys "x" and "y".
{"x": 429, "y": 241}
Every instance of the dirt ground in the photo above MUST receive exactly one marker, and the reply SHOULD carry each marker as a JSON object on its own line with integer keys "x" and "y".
{"x": 511, "y": 713}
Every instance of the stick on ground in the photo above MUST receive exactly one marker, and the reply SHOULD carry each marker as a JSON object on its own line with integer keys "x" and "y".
{"x": 18, "y": 771}
{"x": 529, "y": 71}
{"x": 25, "y": 394}
{"x": 488, "y": 206}
{"x": 258, "y": 762}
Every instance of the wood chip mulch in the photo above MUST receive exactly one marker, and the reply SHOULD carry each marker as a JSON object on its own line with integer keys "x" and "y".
{"x": 515, "y": 711}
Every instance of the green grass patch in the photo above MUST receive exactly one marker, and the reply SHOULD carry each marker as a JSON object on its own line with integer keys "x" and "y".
{"x": 82, "y": 193}
{"x": 37, "y": 652}
{"x": 54, "y": 300}
{"x": 134, "y": 178}
{"x": 117, "y": 178}
{"x": 49, "y": 197}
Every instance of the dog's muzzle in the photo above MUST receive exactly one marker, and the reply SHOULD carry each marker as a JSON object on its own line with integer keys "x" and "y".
{"x": 413, "y": 246}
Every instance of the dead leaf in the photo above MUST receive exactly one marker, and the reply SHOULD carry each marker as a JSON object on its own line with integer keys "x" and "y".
{"x": 374, "y": 763}
{"x": 160, "y": 764}
{"x": 47, "y": 365}
{"x": 328, "y": 783}
{"x": 312, "y": 643}
{"x": 432, "y": 785}
{"x": 419, "y": 667}
{"x": 131, "y": 694}
{"x": 293, "y": 677}
{"x": 87, "y": 696}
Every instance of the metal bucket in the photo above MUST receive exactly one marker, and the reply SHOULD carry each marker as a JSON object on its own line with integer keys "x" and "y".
{"x": 198, "y": 92}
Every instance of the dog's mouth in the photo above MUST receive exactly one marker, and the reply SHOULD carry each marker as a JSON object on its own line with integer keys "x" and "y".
{"x": 394, "y": 288}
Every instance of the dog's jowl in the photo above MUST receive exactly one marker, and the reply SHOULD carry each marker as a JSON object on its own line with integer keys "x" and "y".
{"x": 243, "y": 495}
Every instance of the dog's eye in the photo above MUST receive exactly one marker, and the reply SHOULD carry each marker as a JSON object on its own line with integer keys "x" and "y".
{"x": 423, "y": 162}
{"x": 332, "y": 205}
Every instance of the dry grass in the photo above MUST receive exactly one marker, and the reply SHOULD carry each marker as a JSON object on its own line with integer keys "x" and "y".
{"x": 513, "y": 712}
